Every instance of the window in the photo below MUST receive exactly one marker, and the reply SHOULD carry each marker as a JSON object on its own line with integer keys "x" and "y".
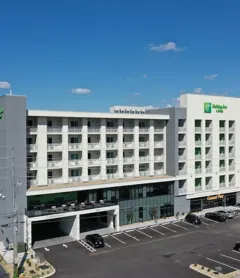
{"x": 50, "y": 174}
{"x": 50, "y": 158}
{"x": 89, "y": 155}
{"x": 89, "y": 124}
{"x": 140, "y": 213}
{"x": 110, "y": 154}
{"x": 89, "y": 140}
{"x": 110, "y": 124}
{"x": 74, "y": 140}
{"x": 74, "y": 123}
{"x": 49, "y": 140}
{"x": 29, "y": 123}
{"x": 74, "y": 173}
{"x": 29, "y": 141}
{"x": 142, "y": 124}
{"x": 110, "y": 139}
{"x": 49, "y": 123}
{"x": 74, "y": 156}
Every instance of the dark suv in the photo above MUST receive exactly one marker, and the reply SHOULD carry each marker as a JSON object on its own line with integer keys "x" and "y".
{"x": 95, "y": 240}
{"x": 217, "y": 216}
{"x": 193, "y": 218}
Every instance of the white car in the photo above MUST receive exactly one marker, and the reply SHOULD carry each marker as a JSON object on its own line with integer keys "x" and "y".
{"x": 229, "y": 213}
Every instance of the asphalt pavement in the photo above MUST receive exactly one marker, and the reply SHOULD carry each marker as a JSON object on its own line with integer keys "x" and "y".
{"x": 160, "y": 251}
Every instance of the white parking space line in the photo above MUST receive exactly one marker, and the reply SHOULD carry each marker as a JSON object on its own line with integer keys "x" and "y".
{"x": 118, "y": 239}
{"x": 229, "y": 266}
{"x": 190, "y": 224}
{"x": 229, "y": 257}
{"x": 131, "y": 236}
{"x": 105, "y": 236}
{"x": 210, "y": 220}
{"x": 156, "y": 231}
{"x": 164, "y": 226}
{"x": 143, "y": 233}
{"x": 129, "y": 231}
{"x": 205, "y": 223}
{"x": 180, "y": 226}
{"x": 108, "y": 245}
{"x": 236, "y": 252}
{"x": 118, "y": 233}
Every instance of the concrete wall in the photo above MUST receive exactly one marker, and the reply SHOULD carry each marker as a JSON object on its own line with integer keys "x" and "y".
{"x": 181, "y": 205}
{"x": 70, "y": 226}
{"x": 12, "y": 134}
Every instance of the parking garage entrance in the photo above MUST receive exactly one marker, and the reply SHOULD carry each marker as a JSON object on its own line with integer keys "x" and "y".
{"x": 52, "y": 232}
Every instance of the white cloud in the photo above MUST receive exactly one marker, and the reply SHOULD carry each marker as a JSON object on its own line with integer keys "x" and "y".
{"x": 210, "y": 77}
{"x": 145, "y": 76}
{"x": 163, "y": 101}
{"x": 168, "y": 106}
{"x": 136, "y": 94}
{"x": 5, "y": 85}
{"x": 82, "y": 91}
{"x": 170, "y": 46}
{"x": 197, "y": 91}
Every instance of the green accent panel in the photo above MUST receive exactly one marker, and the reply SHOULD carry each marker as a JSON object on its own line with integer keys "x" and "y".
{"x": 43, "y": 199}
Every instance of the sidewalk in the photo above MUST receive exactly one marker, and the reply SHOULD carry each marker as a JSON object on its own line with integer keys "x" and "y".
{"x": 169, "y": 219}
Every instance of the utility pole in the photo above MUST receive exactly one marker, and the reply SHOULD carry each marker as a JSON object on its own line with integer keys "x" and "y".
{"x": 15, "y": 213}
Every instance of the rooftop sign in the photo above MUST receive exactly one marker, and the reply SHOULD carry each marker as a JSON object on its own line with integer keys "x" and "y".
{"x": 1, "y": 113}
{"x": 219, "y": 108}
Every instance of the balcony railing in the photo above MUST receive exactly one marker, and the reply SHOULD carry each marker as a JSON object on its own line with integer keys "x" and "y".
{"x": 208, "y": 156}
{"x": 32, "y": 147}
{"x": 93, "y": 177}
{"x": 54, "y": 147}
{"x": 182, "y": 157}
{"x": 111, "y": 130}
{"x": 92, "y": 146}
{"x": 112, "y": 176}
{"x": 231, "y": 130}
{"x": 231, "y": 155}
{"x": 94, "y": 130}
{"x": 32, "y": 182}
{"x": 182, "y": 171}
{"x": 208, "y": 143}
{"x": 112, "y": 145}
{"x": 198, "y": 188}
{"x": 112, "y": 160}
{"x": 182, "y": 129}
{"x": 231, "y": 168}
{"x": 222, "y": 155}
{"x": 208, "y": 129}
{"x": 75, "y": 179}
{"x": 143, "y": 144}
{"x": 198, "y": 129}
{"x": 143, "y": 158}
{"x": 159, "y": 172}
{"x": 208, "y": 170}
{"x": 143, "y": 173}
{"x": 198, "y": 156}
{"x": 222, "y": 168}
{"x": 198, "y": 143}
{"x": 32, "y": 129}
{"x": 54, "y": 164}
{"x": 182, "y": 190}
{"x": 158, "y": 130}
{"x": 158, "y": 157}
{"x": 231, "y": 184}
{"x": 143, "y": 130}
{"x": 74, "y": 129}
{"x": 54, "y": 180}
{"x": 198, "y": 170}
{"x": 75, "y": 163}
{"x": 74, "y": 146}
{"x": 222, "y": 129}
{"x": 231, "y": 142}
{"x": 129, "y": 129}
{"x": 222, "y": 184}
{"x": 128, "y": 145}
{"x": 208, "y": 187}
{"x": 94, "y": 161}
{"x": 128, "y": 159}
{"x": 56, "y": 129}
{"x": 33, "y": 164}
{"x": 158, "y": 144}
{"x": 182, "y": 143}
{"x": 128, "y": 174}
{"x": 222, "y": 143}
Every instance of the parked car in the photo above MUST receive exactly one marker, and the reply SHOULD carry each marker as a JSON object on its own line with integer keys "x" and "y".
{"x": 237, "y": 205}
{"x": 216, "y": 216}
{"x": 237, "y": 247}
{"x": 229, "y": 213}
{"x": 193, "y": 218}
{"x": 95, "y": 240}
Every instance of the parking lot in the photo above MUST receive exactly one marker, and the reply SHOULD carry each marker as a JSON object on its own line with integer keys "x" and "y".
{"x": 168, "y": 249}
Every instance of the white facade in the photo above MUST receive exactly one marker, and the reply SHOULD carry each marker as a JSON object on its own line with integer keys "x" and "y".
{"x": 213, "y": 155}
{"x": 75, "y": 147}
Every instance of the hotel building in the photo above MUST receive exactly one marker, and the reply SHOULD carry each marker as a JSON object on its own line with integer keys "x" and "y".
{"x": 78, "y": 172}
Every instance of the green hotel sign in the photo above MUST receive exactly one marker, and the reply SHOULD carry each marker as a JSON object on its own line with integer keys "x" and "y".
{"x": 209, "y": 107}
{"x": 1, "y": 113}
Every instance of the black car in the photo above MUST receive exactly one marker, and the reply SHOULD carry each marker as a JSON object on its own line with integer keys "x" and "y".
{"x": 217, "y": 216}
{"x": 193, "y": 218}
{"x": 95, "y": 240}
{"x": 237, "y": 247}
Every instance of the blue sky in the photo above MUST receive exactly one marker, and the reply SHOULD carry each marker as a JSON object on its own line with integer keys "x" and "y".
{"x": 124, "y": 52}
